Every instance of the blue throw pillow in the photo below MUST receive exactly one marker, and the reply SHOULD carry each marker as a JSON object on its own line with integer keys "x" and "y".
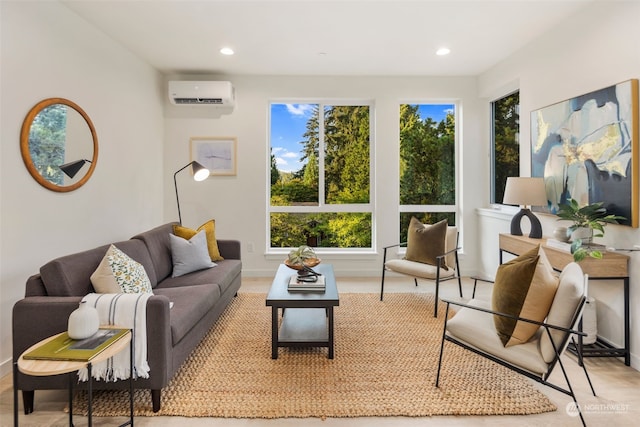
{"x": 190, "y": 255}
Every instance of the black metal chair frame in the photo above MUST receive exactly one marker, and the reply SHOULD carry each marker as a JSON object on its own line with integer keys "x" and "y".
{"x": 440, "y": 260}
{"x": 547, "y": 327}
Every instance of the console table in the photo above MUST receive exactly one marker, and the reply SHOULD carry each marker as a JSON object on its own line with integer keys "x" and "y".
{"x": 613, "y": 266}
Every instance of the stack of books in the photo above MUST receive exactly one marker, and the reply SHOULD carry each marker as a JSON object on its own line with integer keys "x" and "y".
{"x": 557, "y": 244}
{"x": 303, "y": 284}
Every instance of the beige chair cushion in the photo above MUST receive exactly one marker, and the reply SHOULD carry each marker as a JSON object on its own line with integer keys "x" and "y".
{"x": 476, "y": 328}
{"x": 571, "y": 289}
{"x": 524, "y": 287}
{"x": 451, "y": 242}
{"x": 417, "y": 269}
{"x": 426, "y": 242}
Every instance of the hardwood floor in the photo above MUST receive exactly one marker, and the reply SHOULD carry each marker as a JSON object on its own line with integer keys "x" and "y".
{"x": 617, "y": 386}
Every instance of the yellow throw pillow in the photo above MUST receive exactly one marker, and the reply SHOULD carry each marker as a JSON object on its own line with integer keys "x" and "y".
{"x": 524, "y": 287}
{"x": 210, "y": 230}
{"x": 425, "y": 242}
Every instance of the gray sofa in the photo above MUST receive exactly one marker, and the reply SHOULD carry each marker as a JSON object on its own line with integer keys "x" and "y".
{"x": 198, "y": 298}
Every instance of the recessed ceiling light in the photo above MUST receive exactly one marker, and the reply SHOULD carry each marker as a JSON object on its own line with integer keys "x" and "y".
{"x": 227, "y": 51}
{"x": 443, "y": 51}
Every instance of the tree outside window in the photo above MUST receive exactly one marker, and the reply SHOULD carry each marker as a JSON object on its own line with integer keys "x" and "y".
{"x": 320, "y": 190}
{"x": 505, "y": 141}
{"x": 427, "y": 164}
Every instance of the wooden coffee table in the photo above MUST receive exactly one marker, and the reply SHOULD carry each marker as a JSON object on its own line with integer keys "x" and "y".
{"x": 307, "y": 317}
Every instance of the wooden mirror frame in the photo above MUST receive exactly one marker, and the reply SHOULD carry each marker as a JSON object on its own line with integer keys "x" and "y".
{"x": 26, "y": 155}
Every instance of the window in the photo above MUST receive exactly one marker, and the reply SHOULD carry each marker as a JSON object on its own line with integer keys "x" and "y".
{"x": 320, "y": 186}
{"x": 505, "y": 143}
{"x": 427, "y": 164}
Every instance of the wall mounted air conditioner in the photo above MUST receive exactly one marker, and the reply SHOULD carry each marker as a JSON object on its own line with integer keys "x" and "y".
{"x": 212, "y": 93}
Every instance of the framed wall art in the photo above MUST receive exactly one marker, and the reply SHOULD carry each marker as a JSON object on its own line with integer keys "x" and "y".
{"x": 586, "y": 148}
{"x": 218, "y": 154}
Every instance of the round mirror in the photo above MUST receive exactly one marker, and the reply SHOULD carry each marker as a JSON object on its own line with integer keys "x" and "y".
{"x": 59, "y": 145}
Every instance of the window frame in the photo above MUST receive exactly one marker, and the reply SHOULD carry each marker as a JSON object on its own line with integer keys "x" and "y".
{"x": 322, "y": 206}
{"x": 455, "y": 208}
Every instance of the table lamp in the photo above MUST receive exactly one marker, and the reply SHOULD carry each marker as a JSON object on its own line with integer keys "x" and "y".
{"x": 525, "y": 192}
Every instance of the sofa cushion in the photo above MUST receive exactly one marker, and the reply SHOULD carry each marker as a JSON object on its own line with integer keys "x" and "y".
{"x": 70, "y": 275}
{"x": 190, "y": 304}
{"x": 425, "y": 242}
{"x": 157, "y": 242}
{"x": 223, "y": 275}
{"x": 524, "y": 287}
{"x": 209, "y": 228}
{"x": 189, "y": 255}
{"x": 118, "y": 273}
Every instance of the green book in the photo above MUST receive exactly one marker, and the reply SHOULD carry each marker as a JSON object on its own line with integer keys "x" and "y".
{"x": 65, "y": 348}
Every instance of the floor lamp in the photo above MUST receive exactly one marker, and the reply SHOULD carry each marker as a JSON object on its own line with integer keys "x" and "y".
{"x": 525, "y": 192}
{"x": 200, "y": 173}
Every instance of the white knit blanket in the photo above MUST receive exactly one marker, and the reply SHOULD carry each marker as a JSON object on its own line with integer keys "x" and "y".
{"x": 126, "y": 311}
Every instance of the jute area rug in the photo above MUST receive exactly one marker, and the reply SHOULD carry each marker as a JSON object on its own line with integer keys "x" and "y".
{"x": 386, "y": 356}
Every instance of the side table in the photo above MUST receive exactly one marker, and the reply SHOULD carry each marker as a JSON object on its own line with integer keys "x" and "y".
{"x": 58, "y": 367}
{"x": 612, "y": 266}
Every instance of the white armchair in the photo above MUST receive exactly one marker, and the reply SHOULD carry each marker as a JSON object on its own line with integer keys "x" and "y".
{"x": 446, "y": 267}
{"x": 473, "y": 328}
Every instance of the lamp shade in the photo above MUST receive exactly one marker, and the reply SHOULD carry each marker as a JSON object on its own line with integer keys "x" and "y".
{"x": 71, "y": 169}
{"x": 200, "y": 173}
{"x": 525, "y": 191}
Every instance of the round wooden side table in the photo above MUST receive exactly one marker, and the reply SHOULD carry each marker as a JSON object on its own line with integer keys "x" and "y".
{"x": 42, "y": 368}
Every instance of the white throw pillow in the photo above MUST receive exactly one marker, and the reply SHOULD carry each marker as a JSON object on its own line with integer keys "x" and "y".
{"x": 190, "y": 255}
{"x": 119, "y": 273}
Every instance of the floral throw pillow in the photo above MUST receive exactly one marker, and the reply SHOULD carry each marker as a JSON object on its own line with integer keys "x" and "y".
{"x": 119, "y": 273}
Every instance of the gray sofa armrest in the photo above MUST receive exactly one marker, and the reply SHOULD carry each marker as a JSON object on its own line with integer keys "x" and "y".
{"x": 229, "y": 249}
{"x": 36, "y": 318}
{"x": 159, "y": 344}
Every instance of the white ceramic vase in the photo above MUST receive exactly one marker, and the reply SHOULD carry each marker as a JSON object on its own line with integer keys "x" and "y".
{"x": 83, "y": 322}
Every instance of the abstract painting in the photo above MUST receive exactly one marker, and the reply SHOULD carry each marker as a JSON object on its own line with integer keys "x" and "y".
{"x": 586, "y": 148}
{"x": 218, "y": 154}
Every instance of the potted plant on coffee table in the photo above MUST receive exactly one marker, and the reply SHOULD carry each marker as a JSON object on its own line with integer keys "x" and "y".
{"x": 303, "y": 256}
{"x": 594, "y": 218}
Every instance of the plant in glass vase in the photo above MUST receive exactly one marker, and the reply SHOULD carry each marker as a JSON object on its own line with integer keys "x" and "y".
{"x": 594, "y": 218}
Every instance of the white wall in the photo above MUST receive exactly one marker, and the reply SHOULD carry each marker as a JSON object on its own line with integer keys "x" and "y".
{"x": 597, "y": 48}
{"x": 48, "y": 51}
{"x": 239, "y": 203}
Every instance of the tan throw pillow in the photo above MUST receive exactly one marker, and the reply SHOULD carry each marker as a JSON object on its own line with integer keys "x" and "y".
{"x": 210, "y": 229}
{"x": 119, "y": 273}
{"x": 524, "y": 287}
{"x": 426, "y": 242}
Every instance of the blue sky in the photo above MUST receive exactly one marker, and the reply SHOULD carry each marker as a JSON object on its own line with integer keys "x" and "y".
{"x": 288, "y": 123}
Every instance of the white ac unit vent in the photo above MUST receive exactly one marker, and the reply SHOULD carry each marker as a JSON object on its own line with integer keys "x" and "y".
{"x": 213, "y": 93}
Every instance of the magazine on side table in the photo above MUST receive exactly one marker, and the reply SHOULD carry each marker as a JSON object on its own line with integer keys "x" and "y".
{"x": 64, "y": 348}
